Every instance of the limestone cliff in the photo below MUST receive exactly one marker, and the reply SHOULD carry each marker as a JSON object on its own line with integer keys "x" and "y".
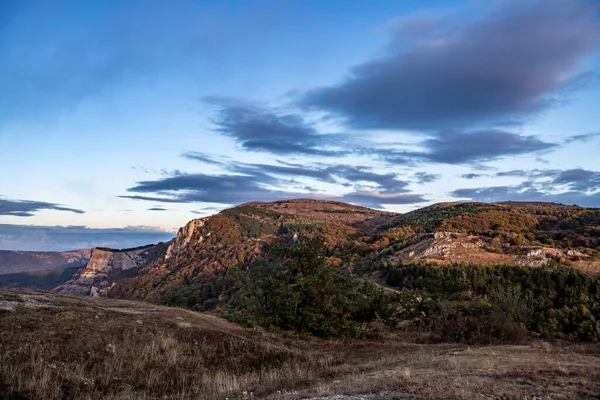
{"x": 193, "y": 231}
{"x": 106, "y": 266}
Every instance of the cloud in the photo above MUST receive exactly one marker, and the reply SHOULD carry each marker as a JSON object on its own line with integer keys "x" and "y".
{"x": 520, "y": 58}
{"x": 582, "y": 138}
{"x": 572, "y": 186}
{"x": 245, "y": 182}
{"x": 424, "y": 177}
{"x": 27, "y": 208}
{"x": 457, "y": 147}
{"x": 578, "y": 179}
{"x": 333, "y": 173}
{"x": 259, "y": 128}
{"x": 60, "y": 238}
{"x": 157, "y": 209}
{"x": 471, "y": 176}
{"x": 199, "y": 187}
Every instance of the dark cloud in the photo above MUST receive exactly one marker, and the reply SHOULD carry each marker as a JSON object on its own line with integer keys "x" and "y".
{"x": 519, "y": 59}
{"x": 348, "y": 174}
{"x": 388, "y": 183}
{"x": 424, "y": 177}
{"x": 454, "y": 147}
{"x": 264, "y": 182}
{"x": 223, "y": 188}
{"x": 157, "y": 209}
{"x": 578, "y": 179}
{"x": 27, "y": 208}
{"x": 471, "y": 176}
{"x": 458, "y": 148}
{"x": 60, "y": 238}
{"x": 573, "y": 186}
{"x": 258, "y": 128}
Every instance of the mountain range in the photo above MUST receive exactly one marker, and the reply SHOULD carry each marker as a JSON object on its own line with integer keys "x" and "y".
{"x": 358, "y": 241}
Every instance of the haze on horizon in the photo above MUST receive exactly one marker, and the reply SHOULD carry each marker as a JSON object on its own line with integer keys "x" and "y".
{"x": 121, "y": 121}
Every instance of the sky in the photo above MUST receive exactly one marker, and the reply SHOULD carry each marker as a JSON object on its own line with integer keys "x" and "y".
{"x": 120, "y": 121}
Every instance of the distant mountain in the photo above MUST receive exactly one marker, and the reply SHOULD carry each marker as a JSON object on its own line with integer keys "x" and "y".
{"x": 13, "y": 261}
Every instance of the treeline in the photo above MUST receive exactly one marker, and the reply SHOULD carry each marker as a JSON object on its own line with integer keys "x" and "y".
{"x": 551, "y": 301}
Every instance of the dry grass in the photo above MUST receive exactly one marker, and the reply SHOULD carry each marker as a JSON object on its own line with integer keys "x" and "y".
{"x": 61, "y": 347}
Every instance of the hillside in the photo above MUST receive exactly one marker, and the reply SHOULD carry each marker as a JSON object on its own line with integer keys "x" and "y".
{"x": 13, "y": 261}
{"x": 82, "y": 347}
{"x": 519, "y": 233}
{"x": 363, "y": 241}
{"x": 193, "y": 273}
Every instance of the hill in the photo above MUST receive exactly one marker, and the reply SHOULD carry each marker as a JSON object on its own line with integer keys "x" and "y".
{"x": 57, "y": 346}
{"x": 363, "y": 241}
{"x": 193, "y": 272}
{"x": 13, "y": 261}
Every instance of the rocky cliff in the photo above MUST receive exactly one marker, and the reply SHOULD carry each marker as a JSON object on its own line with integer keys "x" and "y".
{"x": 192, "y": 232}
{"x": 106, "y": 266}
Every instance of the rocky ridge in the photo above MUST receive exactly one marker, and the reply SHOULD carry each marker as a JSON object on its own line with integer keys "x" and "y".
{"x": 186, "y": 234}
{"x": 108, "y": 265}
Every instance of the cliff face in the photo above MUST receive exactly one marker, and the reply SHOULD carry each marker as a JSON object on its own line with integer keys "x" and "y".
{"x": 106, "y": 266}
{"x": 192, "y": 232}
{"x": 13, "y": 261}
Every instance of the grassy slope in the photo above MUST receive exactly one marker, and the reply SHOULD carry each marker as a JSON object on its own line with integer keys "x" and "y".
{"x": 55, "y": 346}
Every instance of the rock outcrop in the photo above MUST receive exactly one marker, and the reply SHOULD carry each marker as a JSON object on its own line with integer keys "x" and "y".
{"x": 106, "y": 266}
{"x": 191, "y": 232}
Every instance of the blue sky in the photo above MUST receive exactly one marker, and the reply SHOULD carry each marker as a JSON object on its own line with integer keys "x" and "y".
{"x": 122, "y": 120}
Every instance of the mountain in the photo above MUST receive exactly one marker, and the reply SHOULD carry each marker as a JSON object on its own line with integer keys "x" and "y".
{"x": 196, "y": 263}
{"x": 363, "y": 241}
{"x": 106, "y": 266}
{"x": 13, "y": 261}
{"x": 66, "y": 347}
{"x": 532, "y": 250}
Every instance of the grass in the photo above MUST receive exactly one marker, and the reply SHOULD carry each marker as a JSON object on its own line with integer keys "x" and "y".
{"x": 63, "y": 347}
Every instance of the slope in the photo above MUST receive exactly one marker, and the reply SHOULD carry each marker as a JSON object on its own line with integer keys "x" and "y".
{"x": 59, "y": 347}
